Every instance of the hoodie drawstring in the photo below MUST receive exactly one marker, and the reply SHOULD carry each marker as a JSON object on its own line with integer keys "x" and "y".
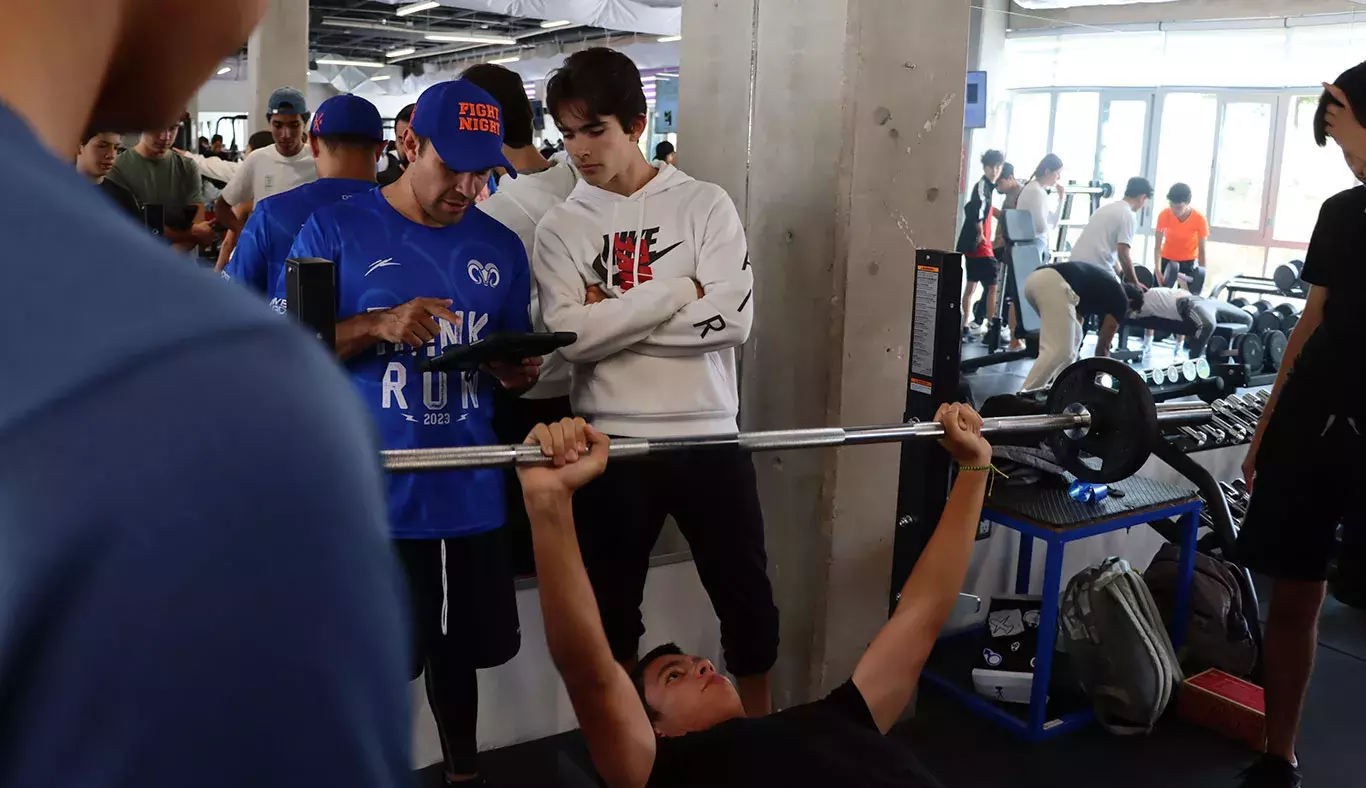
{"x": 640, "y": 236}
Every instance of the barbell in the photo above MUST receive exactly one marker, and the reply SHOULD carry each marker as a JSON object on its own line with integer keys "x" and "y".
{"x": 1097, "y": 407}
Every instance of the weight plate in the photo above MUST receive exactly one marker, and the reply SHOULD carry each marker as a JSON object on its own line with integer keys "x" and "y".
{"x": 1188, "y": 371}
{"x": 1202, "y": 369}
{"x": 1262, "y": 306}
{"x": 1159, "y": 376}
{"x": 1239, "y": 302}
{"x": 1216, "y": 352}
{"x": 1145, "y": 276}
{"x": 1275, "y": 342}
{"x": 1266, "y": 321}
{"x": 1123, "y": 420}
{"x": 1288, "y": 323}
{"x": 1250, "y": 353}
{"x": 1285, "y": 277}
{"x": 1173, "y": 374}
{"x": 1284, "y": 310}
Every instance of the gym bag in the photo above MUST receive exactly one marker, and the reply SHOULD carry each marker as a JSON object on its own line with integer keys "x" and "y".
{"x": 1218, "y": 635}
{"x": 1110, "y": 626}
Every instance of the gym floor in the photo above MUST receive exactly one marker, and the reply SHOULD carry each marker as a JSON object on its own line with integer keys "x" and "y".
{"x": 966, "y": 751}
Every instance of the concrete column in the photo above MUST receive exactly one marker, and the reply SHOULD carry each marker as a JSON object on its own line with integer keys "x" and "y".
{"x": 837, "y": 126}
{"x": 277, "y": 55}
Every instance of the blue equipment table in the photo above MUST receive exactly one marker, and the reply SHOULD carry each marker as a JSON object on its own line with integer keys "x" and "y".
{"x": 1050, "y": 515}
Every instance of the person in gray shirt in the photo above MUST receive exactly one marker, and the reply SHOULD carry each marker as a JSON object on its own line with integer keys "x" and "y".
{"x": 157, "y": 177}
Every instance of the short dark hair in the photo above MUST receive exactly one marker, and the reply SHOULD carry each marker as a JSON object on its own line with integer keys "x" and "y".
{"x": 505, "y": 85}
{"x": 261, "y": 139}
{"x": 334, "y": 141}
{"x": 1050, "y": 163}
{"x": 1135, "y": 295}
{"x": 1352, "y": 82}
{"x": 1179, "y": 193}
{"x": 217, "y": 138}
{"x": 663, "y": 149}
{"x": 92, "y": 132}
{"x": 1138, "y": 187}
{"x": 406, "y": 114}
{"x": 1007, "y": 171}
{"x": 638, "y": 673}
{"x": 605, "y": 80}
{"x": 993, "y": 158}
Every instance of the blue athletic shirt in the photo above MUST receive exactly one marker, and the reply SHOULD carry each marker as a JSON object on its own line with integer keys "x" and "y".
{"x": 264, "y": 244}
{"x": 385, "y": 260}
{"x": 196, "y": 581}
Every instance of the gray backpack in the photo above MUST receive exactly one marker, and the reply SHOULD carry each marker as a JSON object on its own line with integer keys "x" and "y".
{"x": 1218, "y": 635}
{"x": 1110, "y": 627}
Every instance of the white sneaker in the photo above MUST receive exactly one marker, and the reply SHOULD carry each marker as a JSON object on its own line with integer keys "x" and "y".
{"x": 1005, "y": 337}
{"x": 978, "y": 329}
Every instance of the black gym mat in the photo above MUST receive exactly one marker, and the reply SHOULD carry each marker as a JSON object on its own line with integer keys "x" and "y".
{"x": 1049, "y": 504}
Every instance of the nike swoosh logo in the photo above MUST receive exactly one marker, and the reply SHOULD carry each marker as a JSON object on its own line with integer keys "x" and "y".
{"x": 378, "y": 264}
{"x": 657, "y": 256}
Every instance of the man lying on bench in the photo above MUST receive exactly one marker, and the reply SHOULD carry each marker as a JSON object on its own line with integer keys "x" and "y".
{"x": 1199, "y": 316}
{"x": 677, "y": 721}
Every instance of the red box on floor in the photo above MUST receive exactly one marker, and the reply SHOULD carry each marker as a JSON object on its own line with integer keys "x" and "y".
{"x": 1225, "y": 704}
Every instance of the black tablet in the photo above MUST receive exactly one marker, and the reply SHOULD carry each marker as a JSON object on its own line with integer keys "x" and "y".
{"x": 502, "y": 346}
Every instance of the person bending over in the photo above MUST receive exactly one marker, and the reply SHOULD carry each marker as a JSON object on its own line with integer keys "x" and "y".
{"x": 675, "y": 720}
{"x": 1311, "y": 431}
{"x": 651, "y": 269}
{"x": 198, "y": 588}
{"x": 346, "y": 139}
{"x": 1171, "y": 303}
{"x": 1034, "y": 198}
{"x": 1181, "y": 245}
{"x": 155, "y": 176}
{"x": 1064, "y": 295}
{"x": 418, "y": 271}
{"x": 95, "y": 158}
{"x": 974, "y": 241}
{"x": 1109, "y": 235}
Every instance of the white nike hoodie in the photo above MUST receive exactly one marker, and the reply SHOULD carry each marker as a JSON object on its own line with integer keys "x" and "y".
{"x": 653, "y": 360}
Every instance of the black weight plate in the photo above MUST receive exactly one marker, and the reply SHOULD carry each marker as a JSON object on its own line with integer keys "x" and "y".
{"x": 1285, "y": 277}
{"x": 1123, "y": 420}
{"x": 1275, "y": 343}
{"x": 1284, "y": 310}
{"x": 1239, "y": 302}
{"x": 1216, "y": 351}
{"x": 1288, "y": 323}
{"x": 1145, "y": 276}
{"x": 1266, "y": 321}
{"x": 1250, "y": 352}
{"x": 1262, "y": 306}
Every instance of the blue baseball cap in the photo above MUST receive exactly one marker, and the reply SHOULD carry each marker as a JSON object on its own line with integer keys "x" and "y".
{"x": 347, "y": 114}
{"x": 465, "y": 126}
{"x": 286, "y": 101}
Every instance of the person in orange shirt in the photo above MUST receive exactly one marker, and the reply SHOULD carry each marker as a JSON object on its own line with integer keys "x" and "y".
{"x": 1180, "y": 249}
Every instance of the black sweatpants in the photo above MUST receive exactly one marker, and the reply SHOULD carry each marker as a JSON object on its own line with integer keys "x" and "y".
{"x": 464, "y": 610}
{"x": 513, "y": 418}
{"x": 713, "y": 497}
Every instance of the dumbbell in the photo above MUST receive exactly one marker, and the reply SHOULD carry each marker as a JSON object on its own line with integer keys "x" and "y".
{"x": 1239, "y": 302}
{"x": 1199, "y": 437}
{"x": 1249, "y": 407}
{"x": 1290, "y": 317}
{"x": 1230, "y": 413}
{"x": 1288, "y": 277}
{"x": 1237, "y": 432}
{"x": 1216, "y": 435}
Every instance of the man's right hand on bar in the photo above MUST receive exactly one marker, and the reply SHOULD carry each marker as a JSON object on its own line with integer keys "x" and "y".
{"x": 579, "y": 453}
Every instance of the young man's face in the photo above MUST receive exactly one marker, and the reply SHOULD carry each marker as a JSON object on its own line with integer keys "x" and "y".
{"x": 1178, "y": 208}
{"x": 1007, "y": 184}
{"x": 288, "y": 131}
{"x": 159, "y": 142}
{"x": 443, "y": 194}
{"x": 994, "y": 172}
{"x": 96, "y": 156}
{"x": 1141, "y": 203}
{"x": 600, "y": 147}
{"x": 689, "y": 695}
{"x": 1357, "y": 165}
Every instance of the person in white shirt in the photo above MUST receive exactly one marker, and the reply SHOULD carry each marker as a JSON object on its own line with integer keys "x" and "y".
{"x": 651, "y": 269}
{"x": 1171, "y": 303}
{"x": 519, "y": 204}
{"x": 1109, "y": 236}
{"x": 1034, "y": 198}
{"x": 280, "y": 167}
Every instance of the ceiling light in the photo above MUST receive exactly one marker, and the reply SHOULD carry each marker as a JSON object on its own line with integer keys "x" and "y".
{"x": 670, "y": 39}
{"x": 381, "y": 77}
{"x": 504, "y": 60}
{"x": 556, "y": 23}
{"x": 416, "y": 7}
{"x": 470, "y": 38}
{"x": 224, "y": 70}
{"x": 400, "y": 52}
{"x": 328, "y": 61}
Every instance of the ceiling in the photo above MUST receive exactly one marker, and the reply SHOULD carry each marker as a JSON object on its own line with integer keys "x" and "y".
{"x": 366, "y": 30}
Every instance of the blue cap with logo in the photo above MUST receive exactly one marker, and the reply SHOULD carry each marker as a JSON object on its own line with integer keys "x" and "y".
{"x": 465, "y": 125}
{"x": 286, "y": 101}
{"x": 347, "y": 114}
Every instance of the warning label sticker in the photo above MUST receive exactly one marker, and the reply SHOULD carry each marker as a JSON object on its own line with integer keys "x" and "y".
{"x": 923, "y": 322}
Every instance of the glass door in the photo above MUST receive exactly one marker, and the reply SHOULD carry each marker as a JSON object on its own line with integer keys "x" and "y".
{"x": 1242, "y": 167}
{"x": 1124, "y": 122}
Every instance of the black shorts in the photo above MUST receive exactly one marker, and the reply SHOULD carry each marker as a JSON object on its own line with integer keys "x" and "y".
{"x": 1310, "y": 464}
{"x": 513, "y": 418}
{"x": 982, "y": 269}
{"x": 463, "y": 603}
{"x": 712, "y": 495}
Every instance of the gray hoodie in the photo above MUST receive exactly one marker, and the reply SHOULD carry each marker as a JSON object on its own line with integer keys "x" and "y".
{"x": 654, "y": 359}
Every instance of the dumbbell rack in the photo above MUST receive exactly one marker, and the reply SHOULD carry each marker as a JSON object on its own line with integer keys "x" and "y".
{"x": 1234, "y": 424}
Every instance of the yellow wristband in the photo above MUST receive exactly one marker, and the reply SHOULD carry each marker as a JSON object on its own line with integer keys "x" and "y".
{"x": 992, "y": 470}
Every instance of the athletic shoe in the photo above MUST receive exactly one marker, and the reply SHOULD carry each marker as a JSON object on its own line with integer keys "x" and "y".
{"x": 1271, "y": 772}
{"x": 978, "y": 329}
{"x": 1005, "y": 337}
